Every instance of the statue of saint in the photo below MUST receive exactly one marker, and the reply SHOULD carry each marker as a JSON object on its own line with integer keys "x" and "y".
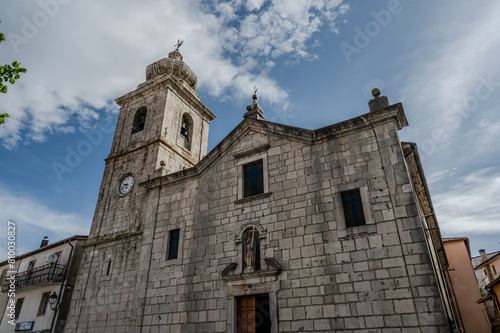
{"x": 251, "y": 244}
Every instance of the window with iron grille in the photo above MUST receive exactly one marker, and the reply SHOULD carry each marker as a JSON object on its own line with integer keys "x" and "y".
{"x": 353, "y": 208}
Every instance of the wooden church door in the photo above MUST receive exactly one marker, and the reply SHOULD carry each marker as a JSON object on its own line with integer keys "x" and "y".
{"x": 253, "y": 315}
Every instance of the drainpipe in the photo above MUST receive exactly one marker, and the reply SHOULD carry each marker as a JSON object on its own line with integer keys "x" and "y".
{"x": 63, "y": 284}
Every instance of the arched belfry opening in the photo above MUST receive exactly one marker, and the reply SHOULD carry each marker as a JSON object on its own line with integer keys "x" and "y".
{"x": 139, "y": 120}
{"x": 251, "y": 248}
{"x": 186, "y": 131}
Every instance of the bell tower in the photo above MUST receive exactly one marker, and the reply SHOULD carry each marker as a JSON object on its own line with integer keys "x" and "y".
{"x": 162, "y": 128}
{"x": 165, "y": 110}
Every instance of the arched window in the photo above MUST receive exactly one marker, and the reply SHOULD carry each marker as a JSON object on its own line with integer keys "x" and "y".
{"x": 139, "y": 120}
{"x": 251, "y": 248}
{"x": 187, "y": 130}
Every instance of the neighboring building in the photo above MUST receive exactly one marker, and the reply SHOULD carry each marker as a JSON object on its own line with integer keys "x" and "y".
{"x": 464, "y": 287}
{"x": 490, "y": 277}
{"x": 492, "y": 300}
{"x": 49, "y": 270}
{"x": 277, "y": 229}
{"x": 489, "y": 267}
{"x": 480, "y": 273}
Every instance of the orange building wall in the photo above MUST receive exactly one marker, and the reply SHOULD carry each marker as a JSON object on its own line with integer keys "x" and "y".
{"x": 465, "y": 289}
{"x": 496, "y": 291}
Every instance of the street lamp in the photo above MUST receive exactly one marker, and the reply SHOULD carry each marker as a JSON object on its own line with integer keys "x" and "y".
{"x": 53, "y": 300}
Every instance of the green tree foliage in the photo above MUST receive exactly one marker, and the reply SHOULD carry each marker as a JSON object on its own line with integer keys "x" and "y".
{"x": 8, "y": 73}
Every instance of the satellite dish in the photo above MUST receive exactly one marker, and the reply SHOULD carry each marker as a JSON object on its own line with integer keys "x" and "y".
{"x": 53, "y": 257}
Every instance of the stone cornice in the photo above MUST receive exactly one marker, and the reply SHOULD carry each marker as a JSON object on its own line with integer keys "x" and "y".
{"x": 111, "y": 238}
{"x": 394, "y": 112}
{"x": 159, "y": 83}
{"x": 161, "y": 141}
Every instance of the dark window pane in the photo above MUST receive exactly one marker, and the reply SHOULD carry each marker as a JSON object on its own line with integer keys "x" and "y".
{"x": 253, "y": 179}
{"x": 108, "y": 269}
{"x": 353, "y": 208}
{"x": 173, "y": 244}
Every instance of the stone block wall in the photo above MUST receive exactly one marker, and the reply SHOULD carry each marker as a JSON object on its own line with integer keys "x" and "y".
{"x": 376, "y": 277}
{"x": 372, "y": 278}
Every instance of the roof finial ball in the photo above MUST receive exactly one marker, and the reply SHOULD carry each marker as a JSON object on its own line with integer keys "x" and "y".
{"x": 255, "y": 89}
{"x": 378, "y": 102}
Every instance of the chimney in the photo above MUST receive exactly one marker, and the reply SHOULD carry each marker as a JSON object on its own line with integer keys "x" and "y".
{"x": 483, "y": 255}
{"x": 379, "y": 102}
{"x": 45, "y": 242}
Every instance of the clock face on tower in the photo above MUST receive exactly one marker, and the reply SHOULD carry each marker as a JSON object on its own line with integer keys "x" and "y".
{"x": 126, "y": 184}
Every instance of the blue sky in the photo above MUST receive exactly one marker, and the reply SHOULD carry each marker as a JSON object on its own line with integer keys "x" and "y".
{"x": 314, "y": 62}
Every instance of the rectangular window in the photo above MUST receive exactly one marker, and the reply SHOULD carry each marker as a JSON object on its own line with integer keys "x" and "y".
{"x": 253, "y": 179}
{"x": 494, "y": 270}
{"x": 31, "y": 265}
{"x": 43, "y": 304}
{"x": 173, "y": 243}
{"x": 31, "y": 268}
{"x": 108, "y": 269}
{"x": 19, "y": 305}
{"x": 353, "y": 208}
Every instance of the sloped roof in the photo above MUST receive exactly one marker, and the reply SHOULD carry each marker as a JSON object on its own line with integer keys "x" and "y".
{"x": 458, "y": 239}
{"x": 47, "y": 247}
{"x": 452, "y": 239}
{"x": 484, "y": 263}
{"x": 493, "y": 283}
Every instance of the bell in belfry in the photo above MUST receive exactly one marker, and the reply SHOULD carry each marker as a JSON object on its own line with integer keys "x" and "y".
{"x": 185, "y": 129}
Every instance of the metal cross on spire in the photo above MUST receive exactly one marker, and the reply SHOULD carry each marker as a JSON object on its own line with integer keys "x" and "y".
{"x": 255, "y": 89}
{"x": 179, "y": 44}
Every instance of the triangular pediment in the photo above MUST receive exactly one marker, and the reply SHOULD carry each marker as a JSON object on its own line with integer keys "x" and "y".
{"x": 248, "y": 126}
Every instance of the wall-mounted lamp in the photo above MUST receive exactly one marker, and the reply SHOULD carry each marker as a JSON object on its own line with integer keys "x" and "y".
{"x": 53, "y": 300}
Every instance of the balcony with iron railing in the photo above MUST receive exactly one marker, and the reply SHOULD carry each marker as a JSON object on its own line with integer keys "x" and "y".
{"x": 43, "y": 275}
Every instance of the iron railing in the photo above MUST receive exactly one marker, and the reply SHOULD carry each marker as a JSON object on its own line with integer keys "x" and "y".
{"x": 46, "y": 274}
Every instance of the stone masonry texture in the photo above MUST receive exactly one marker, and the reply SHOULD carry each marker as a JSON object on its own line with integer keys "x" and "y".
{"x": 372, "y": 278}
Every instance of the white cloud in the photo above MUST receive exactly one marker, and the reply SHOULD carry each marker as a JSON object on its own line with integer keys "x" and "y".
{"x": 28, "y": 213}
{"x": 254, "y": 4}
{"x": 86, "y": 54}
{"x": 445, "y": 82}
{"x": 471, "y": 206}
{"x": 26, "y": 210}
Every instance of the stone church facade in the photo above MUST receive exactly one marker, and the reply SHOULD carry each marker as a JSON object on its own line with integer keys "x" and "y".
{"x": 277, "y": 229}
